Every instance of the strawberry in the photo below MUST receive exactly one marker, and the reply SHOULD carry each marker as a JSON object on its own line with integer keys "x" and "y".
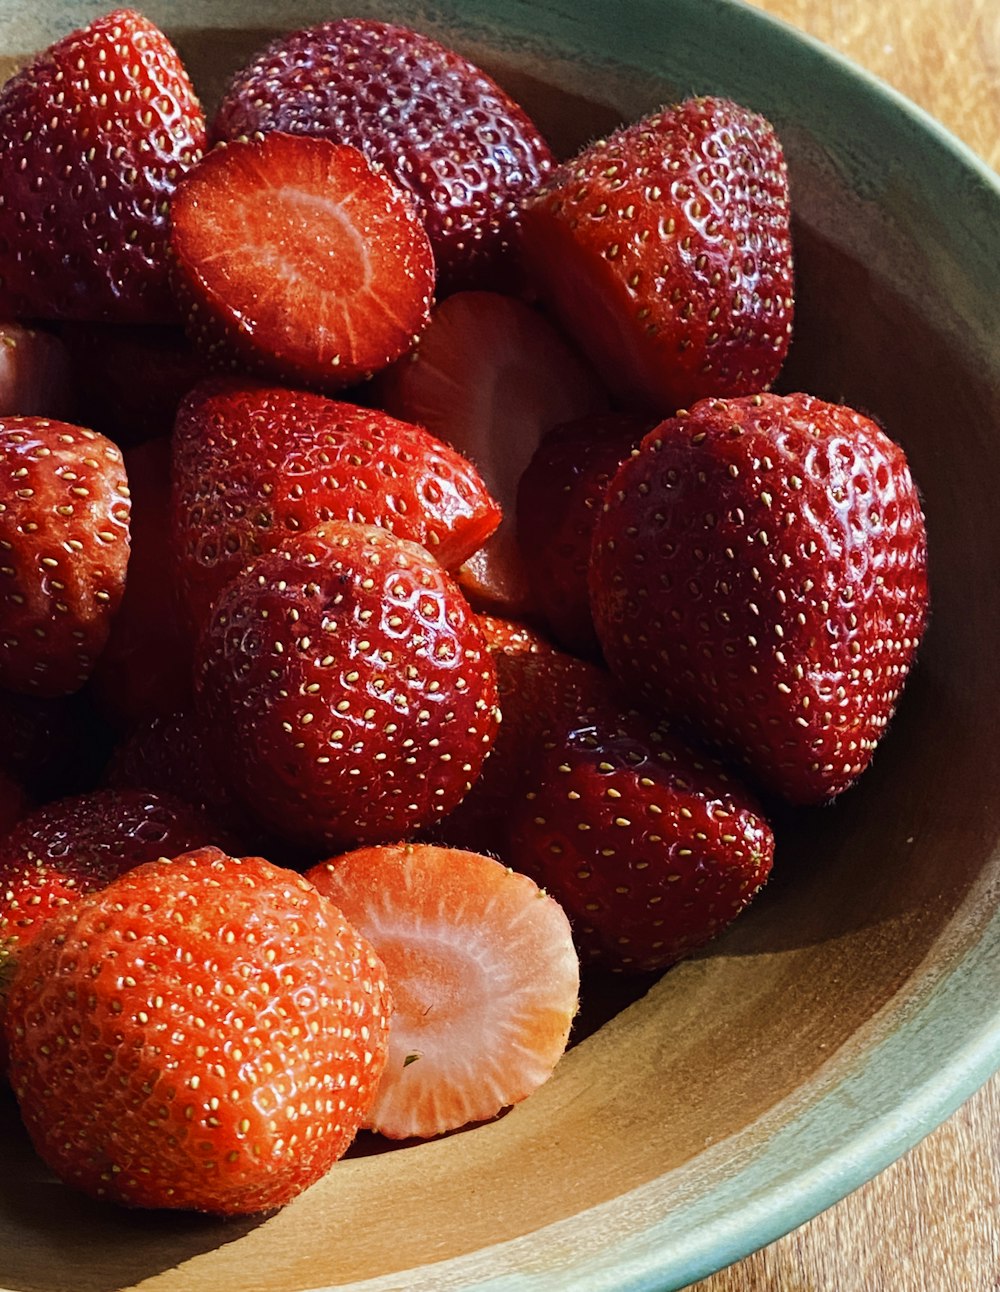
{"x": 536, "y": 686}
{"x": 760, "y": 570}
{"x": 665, "y": 251}
{"x": 64, "y": 544}
{"x": 445, "y": 132}
{"x": 558, "y": 500}
{"x": 253, "y": 464}
{"x": 94, "y": 134}
{"x": 145, "y": 668}
{"x": 296, "y": 257}
{"x": 345, "y": 683}
{"x": 490, "y": 376}
{"x": 484, "y": 980}
{"x": 651, "y": 848}
{"x": 222, "y": 1068}
{"x": 35, "y": 374}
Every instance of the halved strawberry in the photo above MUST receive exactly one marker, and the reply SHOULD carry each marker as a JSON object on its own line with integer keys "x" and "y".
{"x": 490, "y": 376}
{"x": 253, "y": 464}
{"x": 483, "y": 975}
{"x": 297, "y": 257}
{"x": 35, "y": 373}
{"x": 665, "y": 250}
{"x": 94, "y": 134}
{"x": 445, "y": 131}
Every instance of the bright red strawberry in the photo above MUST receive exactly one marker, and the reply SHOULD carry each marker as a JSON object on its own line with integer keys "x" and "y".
{"x": 490, "y": 376}
{"x": 761, "y": 570}
{"x": 254, "y": 464}
{"x": 445, "y": 131}
{"x": 649, "y": 847}
{"x": 344, "y": 681}
{"x": 665, "y": 250}
{"x": 223, "y": 1068}
{"x": 558, "y": 501}
{"x": 94, "y": 134}
{"x": 130, "y": 380}
{"x": 296, "y": 257}
{"x": 64, "y": 545}
{"x": 145, "y": 668}
{"x": 537, "y": 685}
{"x": 484, "y": 980}
{"x": 35, "y": 373}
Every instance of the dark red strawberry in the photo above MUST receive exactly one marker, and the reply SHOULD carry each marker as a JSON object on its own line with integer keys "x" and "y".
{"x": 490, "y": 376}
{"x": 40, "y": 741}
{"x": 228, "y": 1031}
{"x": 665, "y": 251}
{"x": 296, "y": 257}
{"x": 558, "y": 501}
{"x": 130, "y": 380}
{"x": 35, "y": 373}
{"x": 94, "y": 134}
{"x": 254, "y": 464}
{"x": 443, "y": 129}
{"x": 760, "y": 570}
{"x": 145, "y": 668}
{"x": 64, "y": 545}
{"x": 344, "y": 680}
{"x": 650, "y": 848}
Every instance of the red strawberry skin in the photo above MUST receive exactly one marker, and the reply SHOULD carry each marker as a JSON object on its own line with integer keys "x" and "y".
{"x": 760, "y": 570}
{"x": 223, "y": 1070}
{"x": 36, "y": 377}
{"x": 295, "y": 257}
{"x": 253, "y": 464}
{"x": 113, "y": 104}
{"x": 648, "y": 846}
{"x": 447, "y": 134}
{"x": 64, "y": 547}
{"x": 665, "y": 251}
{"x": 345, "y": 682}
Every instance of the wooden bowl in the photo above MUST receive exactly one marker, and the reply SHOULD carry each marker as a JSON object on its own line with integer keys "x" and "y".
{"x": 858, "y": 1002}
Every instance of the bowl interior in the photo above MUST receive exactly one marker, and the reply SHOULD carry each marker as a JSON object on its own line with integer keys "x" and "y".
{"x": 870, "y": 961}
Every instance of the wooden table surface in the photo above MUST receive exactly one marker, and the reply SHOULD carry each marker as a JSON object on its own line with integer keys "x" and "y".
{"x": 931, "y": 1222}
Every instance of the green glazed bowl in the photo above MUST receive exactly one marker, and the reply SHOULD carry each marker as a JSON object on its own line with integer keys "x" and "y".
{"x": 858, "y": 1003}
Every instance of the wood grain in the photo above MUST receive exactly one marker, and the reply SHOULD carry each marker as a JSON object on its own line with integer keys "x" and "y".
{"x": 931, "y": 1222}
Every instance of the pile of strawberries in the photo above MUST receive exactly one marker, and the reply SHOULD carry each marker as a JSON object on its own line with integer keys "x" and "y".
{"x": 332, "y": 433}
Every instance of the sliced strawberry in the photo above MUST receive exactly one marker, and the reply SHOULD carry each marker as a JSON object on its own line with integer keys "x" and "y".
{"x": 558, "y": 501}
{"x": 297, "y": 257}
{"x": 35, "y": 373}
{"x": 344, "y": 682}
{"x": 665, "y": 250}
{"x": 443, "y": 129}
{"x": 108, "y": 116}
{"x": 254, "y": 464}
{"x": 648, "y": 845}
{"x": 64, "y": 546}
{"x": 490, "y": 376}
{"x": 145, "y": 668}
{"x": 483, "y": 975}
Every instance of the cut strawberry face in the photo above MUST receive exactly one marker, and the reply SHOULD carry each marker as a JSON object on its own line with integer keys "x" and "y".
{"x": 297, "y": 257}
{"x": 665, "y": 251}
{"x": 254, "y": 464}
{"x": 483, "y": 975}
{"x": 490, "y": 376}
{"x": 444, "y": 130}
{"x": 113, "y": 103}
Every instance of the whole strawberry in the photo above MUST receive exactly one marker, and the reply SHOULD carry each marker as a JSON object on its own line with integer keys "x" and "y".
{"x": 94, "y": 134}
{"x": 665, "y": 250}
{"x": 760, "y": 570}
{"x": 648, "y": 846}
{"x": 254, "y": 464}
{"x": 227, "y": 1030}
{"x": 447, "y": 134}
{"x": 344, "y": 681}
{"x": 64, "y": 547}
